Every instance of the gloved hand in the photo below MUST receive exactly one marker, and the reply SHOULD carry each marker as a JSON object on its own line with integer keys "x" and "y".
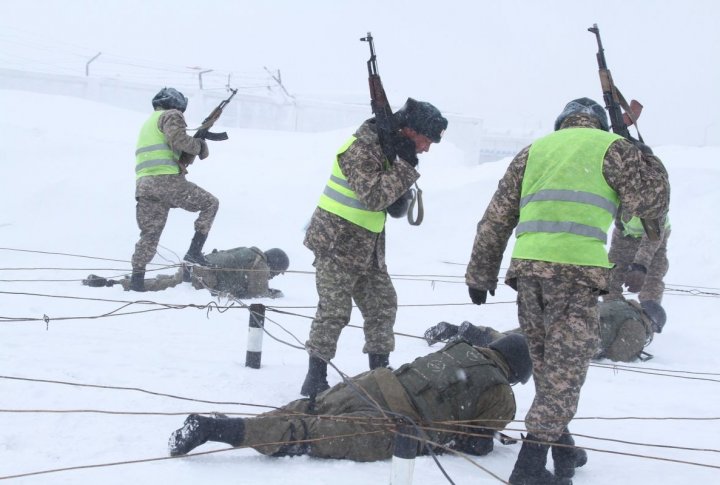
{"x": 635, "y": 277}
{"x": 479, "y": 296}
{"x": 204, "y": 151}
{"x": 400, "y": 207}
{"x": 405, "y": 149}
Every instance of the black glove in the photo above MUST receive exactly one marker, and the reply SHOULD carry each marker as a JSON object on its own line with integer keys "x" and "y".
{"x": 400, "y": 207}
{"x": 635, "y": 277}
{"x": 204, "y": 151}
{"x": 479, "y": 296}
{"x": 405, "y": 148}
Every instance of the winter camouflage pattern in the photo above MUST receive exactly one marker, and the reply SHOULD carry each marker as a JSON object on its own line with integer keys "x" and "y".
{"x": 561, "y": 323}
{"x": 156, "y": 195}
{"x": 350, "y": 260}
{"x": 157, "y": 283}
{"x": 625, "y": 250}
{"x": 344, "y": 424}
{"x": 363, "y": 164}
{"x": 337, "y": 287}
{"x": 557, "y": 303}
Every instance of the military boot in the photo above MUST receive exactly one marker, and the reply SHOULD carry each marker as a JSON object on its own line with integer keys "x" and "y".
{"x": 566, "y": 457}
{"x": 378, "y": 360}
{"x": 137, "y": 280}
{"x": 316, "y": 379}
{"x": 530, "y": 465}
{"x": 194, "y": 254}
{"x": 199, "y": 429}
{"x": 479, "y": 337}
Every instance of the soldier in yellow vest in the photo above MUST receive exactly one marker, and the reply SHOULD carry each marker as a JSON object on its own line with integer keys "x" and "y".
{"x": 162, "y": 146}
{"x": 640, "y": 263}
{"x": 347, "y": 236}
{"x": 560, "y": 195}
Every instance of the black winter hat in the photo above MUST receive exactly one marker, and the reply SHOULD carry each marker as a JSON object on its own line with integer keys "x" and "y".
{"x": 515, "y": 351}
{"x": 422, "y": 117}
{"x": 277, "y": 260}
{"x": 656, "y": 313}
{"x": 586, "y": 106}
{"x": 170, "y": 98}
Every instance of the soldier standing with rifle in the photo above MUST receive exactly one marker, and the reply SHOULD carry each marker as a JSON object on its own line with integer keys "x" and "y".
{"x": 560, "y": 195}
{"x": 164, "y": 150}
{"x": 373, "y": 170}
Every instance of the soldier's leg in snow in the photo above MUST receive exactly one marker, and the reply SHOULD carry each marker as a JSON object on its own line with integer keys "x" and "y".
{"x": 654, "y": 285}
{"x": 334, "y": 286}
{"x": 377, "y": 301}
{"x": 151, "y": 214}
{"x": 622, "y": 252}
{"x": 568, "y": 313}
{"x": 192, "y": 198}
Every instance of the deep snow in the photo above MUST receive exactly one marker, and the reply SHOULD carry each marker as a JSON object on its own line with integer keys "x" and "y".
{"x": 67, "y": 187}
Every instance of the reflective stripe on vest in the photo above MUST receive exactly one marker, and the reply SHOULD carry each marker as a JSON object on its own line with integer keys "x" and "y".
{"x": 153, "y": 155}
{"x": 339, "y": 199}
{"x": 566, "y": 206}
{"x": 634, "y": 227}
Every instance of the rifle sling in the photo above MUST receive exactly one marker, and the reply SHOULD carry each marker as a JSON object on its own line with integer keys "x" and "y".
{"x": 626, "y": 108}
{"x": 417, "y": 198}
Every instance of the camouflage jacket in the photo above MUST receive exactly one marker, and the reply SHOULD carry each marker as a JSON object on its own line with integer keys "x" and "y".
{"x": 645, "y": 248}
{"x": 376, "y": 186}
{"x": 642, "y": 186}
{"x": 241, "y": 272}
{"x": 172, "y": 124}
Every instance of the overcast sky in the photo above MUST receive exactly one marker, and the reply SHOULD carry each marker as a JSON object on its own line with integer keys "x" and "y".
{"x": 513, "y": 63}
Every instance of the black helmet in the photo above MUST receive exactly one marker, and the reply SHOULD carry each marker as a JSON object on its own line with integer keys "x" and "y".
{"x": 655, "y": 313}
{"x": 514, "y": 349}
{"x": 170, "y": 98}
{"x": 422, "y": 117}
{"x": 277, "y": 260}
{"x": 584, "y": 106}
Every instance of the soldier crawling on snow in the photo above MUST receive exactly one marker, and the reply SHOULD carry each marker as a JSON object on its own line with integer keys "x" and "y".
{"x": 240, "y": 272}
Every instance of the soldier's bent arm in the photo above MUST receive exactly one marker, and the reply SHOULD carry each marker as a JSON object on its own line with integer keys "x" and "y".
{"x": 640, "y": 181}
{"x": 364, "y": 166}
{"x": 173, "y": 124}
{"x": 496, "y": 227}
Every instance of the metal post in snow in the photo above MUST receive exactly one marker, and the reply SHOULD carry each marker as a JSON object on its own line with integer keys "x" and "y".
{"x": 404, "y": 453}
{"x": 87, "y": 64}
{"x": 255, "y": 335}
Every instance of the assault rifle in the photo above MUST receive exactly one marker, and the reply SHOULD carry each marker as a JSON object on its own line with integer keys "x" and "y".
{"x": 386, "y": 130}
{"x": 203, "y": 131}
{"x": 622, "y": 116}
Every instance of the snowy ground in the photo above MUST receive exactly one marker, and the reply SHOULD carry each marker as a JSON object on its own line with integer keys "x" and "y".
{"x": 68, "y": 210}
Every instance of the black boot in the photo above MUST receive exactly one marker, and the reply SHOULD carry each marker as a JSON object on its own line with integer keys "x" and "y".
{"x": 194, "y": 254}
{"x": 440, "y": 332}
{"x": 378, "y": 360}
{"x": 316, "y": 379}
{"x": 566, "y": 457}
{"x": 198, "y": 429}
{"x": 137, "y": 280}
{"x": 473, "y": 335}
{"x": 530, "y": 465}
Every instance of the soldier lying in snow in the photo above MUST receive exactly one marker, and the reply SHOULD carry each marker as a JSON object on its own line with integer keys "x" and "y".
{"x": 626, "y": 327}
{"x": 240, "y": 272}
{"x": 459, "y": 407}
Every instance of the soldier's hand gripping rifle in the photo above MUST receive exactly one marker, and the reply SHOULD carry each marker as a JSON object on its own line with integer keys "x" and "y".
{"x": 622, "y": 116}
{"x": 203, "y": 131}
{"x": 387, "y": 133}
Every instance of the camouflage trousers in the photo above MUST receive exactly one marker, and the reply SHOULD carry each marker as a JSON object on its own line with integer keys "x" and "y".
{"x": 375, "y": 297}
{"x": 560, "y": 320}
{"x": 344, "y": 423}
{"x": 623, "y": 251}
{"x": 155, "y": 197}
